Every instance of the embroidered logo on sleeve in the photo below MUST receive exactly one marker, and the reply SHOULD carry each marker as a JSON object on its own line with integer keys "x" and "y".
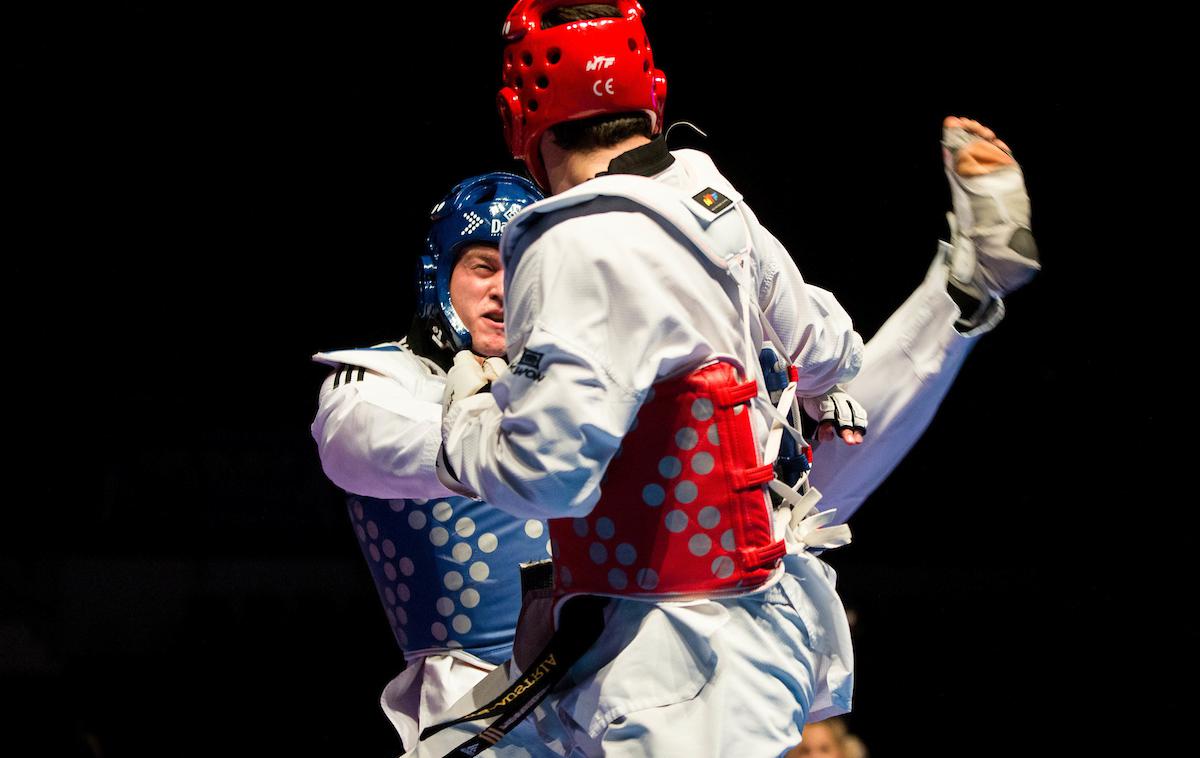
{"x": 712, "y": 200}
{"x": 529, "y": 366}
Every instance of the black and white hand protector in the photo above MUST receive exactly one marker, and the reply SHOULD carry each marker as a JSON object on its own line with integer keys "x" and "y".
{"x": 838, "y": 408}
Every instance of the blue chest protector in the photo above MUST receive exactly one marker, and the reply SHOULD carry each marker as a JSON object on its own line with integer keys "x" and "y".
{"x": 447, "y": 570}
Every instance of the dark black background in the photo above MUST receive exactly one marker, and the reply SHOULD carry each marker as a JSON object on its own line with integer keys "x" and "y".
{"x": 206, "y": 196}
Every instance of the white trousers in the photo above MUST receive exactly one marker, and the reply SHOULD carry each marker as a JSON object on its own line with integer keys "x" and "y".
{"x": 735, "y": 677}
{"x": 426, "y": 689}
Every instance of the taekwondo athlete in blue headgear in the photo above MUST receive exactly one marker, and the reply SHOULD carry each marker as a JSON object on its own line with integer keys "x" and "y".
{"x": 445, "y": 567}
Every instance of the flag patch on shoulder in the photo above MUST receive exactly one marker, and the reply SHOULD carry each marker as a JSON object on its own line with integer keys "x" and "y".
{"x": 712, "y": 200}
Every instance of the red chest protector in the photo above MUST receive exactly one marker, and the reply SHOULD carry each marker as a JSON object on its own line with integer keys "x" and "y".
{"x": 683, "y": 512}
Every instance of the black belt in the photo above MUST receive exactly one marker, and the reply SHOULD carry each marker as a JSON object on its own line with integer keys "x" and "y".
{"x": 580, "y": 622}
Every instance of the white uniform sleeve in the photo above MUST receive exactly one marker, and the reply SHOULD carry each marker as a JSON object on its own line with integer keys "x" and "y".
{"x": 599, "y": 308}
{"x": 816, "y": 331}
{"x": 375, "y": 438}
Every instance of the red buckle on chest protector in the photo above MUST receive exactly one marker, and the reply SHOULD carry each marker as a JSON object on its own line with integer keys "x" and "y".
{"x": 727, "y": 397}
{"x": 752, "y": 478}
{"x": 764, "y": 557}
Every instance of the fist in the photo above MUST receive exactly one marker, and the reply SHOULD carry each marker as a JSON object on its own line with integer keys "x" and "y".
{"x": 470, "y": 374}
{"x": 839, "y": 414}
{"x": 971, "y": 149}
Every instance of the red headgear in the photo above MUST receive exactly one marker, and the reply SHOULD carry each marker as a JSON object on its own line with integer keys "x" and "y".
{"x": 574, "y": 71}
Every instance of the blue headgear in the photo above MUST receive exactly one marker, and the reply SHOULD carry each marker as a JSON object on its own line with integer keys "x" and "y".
{"x": 477, "y": 210}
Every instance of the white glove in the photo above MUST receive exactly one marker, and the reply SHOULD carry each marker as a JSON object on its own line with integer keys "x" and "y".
{"x": 838, "y": 408}
{"x": 992, "y": 248}
{"x": 467, "y": 376}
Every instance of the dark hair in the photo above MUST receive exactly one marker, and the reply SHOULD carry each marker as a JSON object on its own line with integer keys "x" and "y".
{"x": 607, "y": 129}
{"x": 582, "y": 12}
{"x": 601, "y": 131}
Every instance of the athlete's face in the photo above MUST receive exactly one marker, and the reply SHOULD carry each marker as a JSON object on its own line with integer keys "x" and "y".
{"x": 818, "y": 742}
{"x": 477, "y": 293}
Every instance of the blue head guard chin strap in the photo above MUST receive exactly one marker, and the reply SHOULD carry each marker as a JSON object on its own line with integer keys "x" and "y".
{"x": 475, "y": 211}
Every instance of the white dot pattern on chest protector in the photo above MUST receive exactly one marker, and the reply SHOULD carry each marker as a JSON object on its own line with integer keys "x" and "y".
{"x": 670, "y": 467}
{"x": 464, "y": 527}
{"x": 626, "y": 554}
{"x": 702, "y": 409}
{"x": 461, "y": 624}
{"x": 709, "y": 517}
{"x": 580, "y": 525}
{"x": 360, "y": 533}
{"x": 686, "y": 438}
{"x": 685, "y": 491}
{"x": 397, "y": 504}
{"x": 653, "y": 495}
{"x": 647, "y": 578}
{"x": 479, "y": 571}
{"x": 727, "y": 540}
{"x": 714, "y": 436}
{"x": 617, "y": 579}
{"x": 700, "y": 545}
{"x": 406, "y": 566}
{"x": 703, "y": 463}
{"x": 488, "y": 542}
{"x": 605, "y": 528}
{"x": 438, "y": 630}
{"x": 676, "y": 521}
{"x": 598, "y": 553}
{"x": 357, "y": 510}
{"x": 428, "y": 534}
{"x": 722, "y": 567}
{"x": 372, "y": 530}
{"x": 442, "y": 511}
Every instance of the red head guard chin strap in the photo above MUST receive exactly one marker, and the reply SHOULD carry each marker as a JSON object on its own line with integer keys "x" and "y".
{"x": 574, "y": 71}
